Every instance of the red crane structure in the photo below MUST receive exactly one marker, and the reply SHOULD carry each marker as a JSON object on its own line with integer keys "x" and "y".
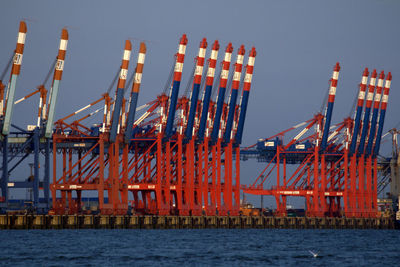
{"x": 334, "y": 166}
{"x": 180, "y": 154}
{"x": 177, "y": 158}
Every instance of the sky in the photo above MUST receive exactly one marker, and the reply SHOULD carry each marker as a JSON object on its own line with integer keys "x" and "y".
{"x": 297, "y": 43}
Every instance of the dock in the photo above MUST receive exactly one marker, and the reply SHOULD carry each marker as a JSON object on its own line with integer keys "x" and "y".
{"x": 189, "y": 222}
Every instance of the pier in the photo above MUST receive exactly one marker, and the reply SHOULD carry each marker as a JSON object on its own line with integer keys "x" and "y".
{"x": 189, "y": 222}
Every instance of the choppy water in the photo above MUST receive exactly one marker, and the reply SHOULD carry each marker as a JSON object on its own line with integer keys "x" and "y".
{"x": 199, "y": 247}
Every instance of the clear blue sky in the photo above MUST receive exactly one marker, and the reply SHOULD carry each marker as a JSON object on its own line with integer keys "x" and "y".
{"x": 298, "y": 43}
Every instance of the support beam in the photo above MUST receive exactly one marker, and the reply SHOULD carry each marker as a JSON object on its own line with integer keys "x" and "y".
{"x": 329, "y": 108}
{"x": 207, "y": 92}
{"x": 135, "y": 92}
{"x": 180, "y": 58}
{"x": 245, "y": 95}
{"x": 358, "y": 112}
{"x": 196, "y": 87}
{"x": 56, "y": 83}
{"x": 119, "y": 94}
{"x": 234, "y": 93}
{"x": 368, "y": 105}
{"x": 221, "y": 92}
{"x": 15, "y": 71}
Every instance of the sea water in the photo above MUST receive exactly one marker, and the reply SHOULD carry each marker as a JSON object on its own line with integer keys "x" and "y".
{"x": 206, "y": 247}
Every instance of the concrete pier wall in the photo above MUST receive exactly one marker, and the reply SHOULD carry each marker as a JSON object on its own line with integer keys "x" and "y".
{"x": 188, "y": 222}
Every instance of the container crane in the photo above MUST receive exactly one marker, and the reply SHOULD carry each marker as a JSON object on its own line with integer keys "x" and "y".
{"x": 31, "y": 142}
{"x": 331, "y": 171}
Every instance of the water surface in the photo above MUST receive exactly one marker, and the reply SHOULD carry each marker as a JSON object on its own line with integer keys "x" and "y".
{"x": 217, "y": 247}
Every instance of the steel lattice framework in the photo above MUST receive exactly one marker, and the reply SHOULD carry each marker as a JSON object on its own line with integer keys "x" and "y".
{"x": 180, "y": 153}
{"x": 334, "y": 166}
{"x": 176, "y": 158}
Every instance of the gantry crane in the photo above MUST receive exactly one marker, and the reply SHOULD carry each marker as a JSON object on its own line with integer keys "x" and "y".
{"x": 162, "y": 158}
{"x": 18, "y": 145}
{"x": 336, "y": 165}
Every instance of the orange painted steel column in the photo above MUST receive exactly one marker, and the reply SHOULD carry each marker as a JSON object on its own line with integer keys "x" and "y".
{"x": 100, "y": 186}
{"x": 195, "y": 175}
{"x": 346, "y": 194}
{"x": 181, "y": 195}
{"x": 324, "y": 141}
{"x": 360, "y": 150}
{"x": 371, "y": 140}
{"x": 353, "y": 145}
{"x": 382, "y": 114}
{"x": 228, "y": 129}
{"x": 204, "y": 129}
